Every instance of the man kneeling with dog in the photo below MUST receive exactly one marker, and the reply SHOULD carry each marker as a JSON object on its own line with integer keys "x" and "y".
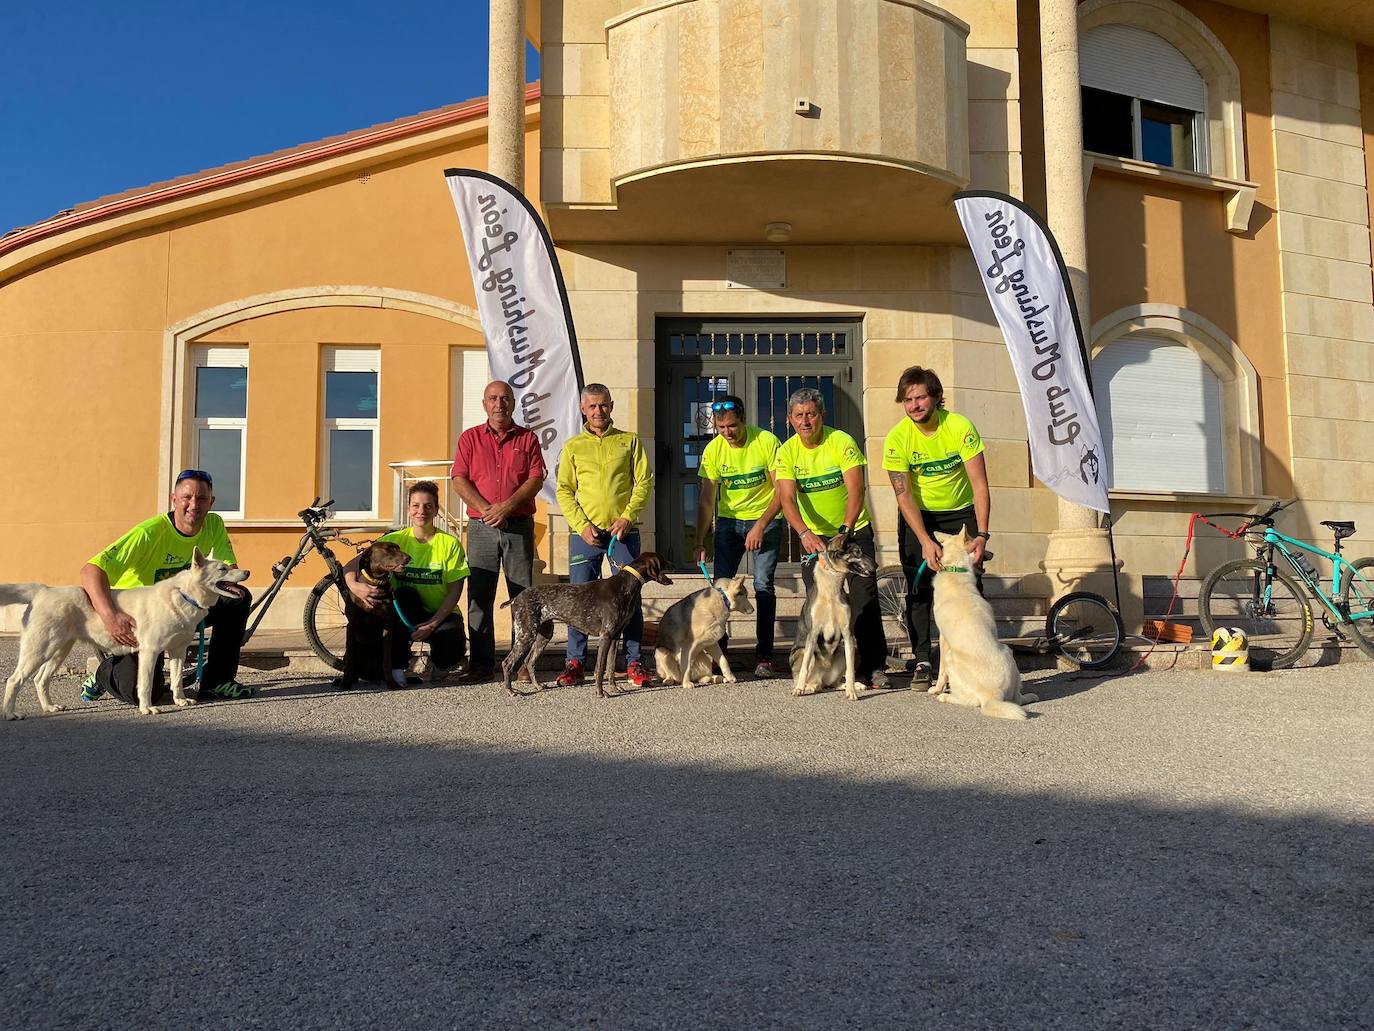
{"x": 152, "y": 551}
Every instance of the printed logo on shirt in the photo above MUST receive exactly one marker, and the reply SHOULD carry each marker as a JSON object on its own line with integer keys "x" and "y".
{"x": 825, "y": 481}
{"x": 740, "y": 481}
{"x": 970, "y": 439}
{"x": 935, "y": 466}
{"x": 851, "y": 452}
{"x": 166, "y": 571}
{"x": 412, "y": 575}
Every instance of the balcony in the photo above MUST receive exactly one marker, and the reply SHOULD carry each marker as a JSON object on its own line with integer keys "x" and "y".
{"x": 847, "y": 120}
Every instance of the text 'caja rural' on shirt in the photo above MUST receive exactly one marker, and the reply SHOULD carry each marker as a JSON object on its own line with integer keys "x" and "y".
{"x": 155, "y": 549}
{"x": 435, "y": 564}
{"x": 819, "y": 472}
{"x": 602, "y": 479}
{"x": 497, "y": 464}
{"x": 939, "y": 482}
{"x": 742, "y": 472}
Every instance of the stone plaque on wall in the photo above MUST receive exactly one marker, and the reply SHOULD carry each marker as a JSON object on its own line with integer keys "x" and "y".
{"x": 755, "y": 269}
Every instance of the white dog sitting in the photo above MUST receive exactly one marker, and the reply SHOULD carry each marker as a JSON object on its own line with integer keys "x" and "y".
{"x": 975, "y": 666}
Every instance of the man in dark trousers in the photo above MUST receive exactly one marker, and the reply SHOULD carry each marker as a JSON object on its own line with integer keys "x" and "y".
{"x": 934, "y": 459}
{"x": 152, "y": 551}
{"x": 498, "y": 469}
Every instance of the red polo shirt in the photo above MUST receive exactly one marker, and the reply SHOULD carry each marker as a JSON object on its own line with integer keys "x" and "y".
{"x": 498, "y": 463}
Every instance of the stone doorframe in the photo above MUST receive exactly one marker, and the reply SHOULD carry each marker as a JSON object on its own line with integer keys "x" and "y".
{"x": 177, "y": 338}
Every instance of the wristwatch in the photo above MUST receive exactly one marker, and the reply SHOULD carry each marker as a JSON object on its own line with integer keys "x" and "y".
{"x": 842, "y": 530}
{"x": 983, "y": 534}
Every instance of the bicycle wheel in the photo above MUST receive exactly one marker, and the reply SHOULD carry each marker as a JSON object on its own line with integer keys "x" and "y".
{"x": 892, "y": 601}
{"x": 326, "y": 625}
{"x": 1278, "y": 630}
{"x": 1084, "y": 629}
{"x": 1357, "y": 592}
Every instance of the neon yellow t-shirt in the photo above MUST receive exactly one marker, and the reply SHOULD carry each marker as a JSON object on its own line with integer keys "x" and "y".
{"x": 745, "y": 490}
{"x": 819, "y": 472}
{"x": 435, "y": 564}
{"x": 154, "y": 550}
{"x": 940, "y": 483}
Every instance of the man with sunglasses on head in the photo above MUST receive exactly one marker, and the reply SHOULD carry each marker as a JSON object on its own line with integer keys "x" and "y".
{"x": 738, "y": 493}
{"x": 152, "y": 551}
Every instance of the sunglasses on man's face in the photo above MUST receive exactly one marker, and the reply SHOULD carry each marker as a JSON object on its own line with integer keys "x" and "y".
{"x": 195, "y": 474}
{"x": 723, "y": 406}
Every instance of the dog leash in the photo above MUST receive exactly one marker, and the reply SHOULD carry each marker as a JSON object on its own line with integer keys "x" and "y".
{"x": 711, "y": 583}
{"x": 402, "y": 616}
{"x": 200, "y": 651}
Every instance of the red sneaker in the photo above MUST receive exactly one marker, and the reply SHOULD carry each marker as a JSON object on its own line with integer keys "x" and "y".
{"x": 572, "y": 674}
{"x": 639, "y": 676}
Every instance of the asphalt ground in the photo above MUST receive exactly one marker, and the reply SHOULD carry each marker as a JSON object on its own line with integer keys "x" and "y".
{"x": 1165, "y": 850}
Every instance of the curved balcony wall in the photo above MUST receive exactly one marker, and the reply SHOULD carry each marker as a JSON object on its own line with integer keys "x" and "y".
{"x": 696, "y": 85}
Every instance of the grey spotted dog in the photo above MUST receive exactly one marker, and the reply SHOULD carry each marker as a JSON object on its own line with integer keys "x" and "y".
{"x": 599, "y": 609}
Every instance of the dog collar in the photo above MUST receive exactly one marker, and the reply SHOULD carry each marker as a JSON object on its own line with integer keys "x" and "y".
{"x": 192, "y": 601}
{"x": 633, "y": 572}
{"x": 370, "y": 578}
{"x": 723, "y": 596}
{"x": 954, "y": 569}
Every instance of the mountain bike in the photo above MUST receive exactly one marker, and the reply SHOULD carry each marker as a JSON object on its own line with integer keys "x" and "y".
{"x": 323, "y": 619}
{"x": 1268, "y": 602}
{"x": 1081, "y": 628}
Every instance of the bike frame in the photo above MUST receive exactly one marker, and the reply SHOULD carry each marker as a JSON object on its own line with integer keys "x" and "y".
{"x": 1273, "y": 540}
{"x": 311, "y": 540}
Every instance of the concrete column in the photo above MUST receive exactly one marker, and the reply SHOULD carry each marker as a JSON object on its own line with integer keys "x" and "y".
{"x": 506, "y": 92}
{"x": 1078, "y": 550}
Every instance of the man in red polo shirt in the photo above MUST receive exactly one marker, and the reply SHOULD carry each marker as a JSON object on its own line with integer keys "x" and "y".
{"x": 498, "y": 469}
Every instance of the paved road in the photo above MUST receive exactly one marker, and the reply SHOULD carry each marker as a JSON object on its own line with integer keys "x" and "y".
{"x": 1165, "y": 850}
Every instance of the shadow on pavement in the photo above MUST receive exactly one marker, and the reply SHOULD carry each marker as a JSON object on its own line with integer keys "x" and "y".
{"x": 213, "y": 878}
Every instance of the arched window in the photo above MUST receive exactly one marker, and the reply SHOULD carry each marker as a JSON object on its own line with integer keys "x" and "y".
{"x": 1162, "y": 414}
{"x": 1142, "y": 98}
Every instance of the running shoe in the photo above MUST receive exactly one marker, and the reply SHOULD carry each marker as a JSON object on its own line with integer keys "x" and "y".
{"x": 572, "y": 674}
{"x": 639, "y": 676}
{"x": 90, "y": 690}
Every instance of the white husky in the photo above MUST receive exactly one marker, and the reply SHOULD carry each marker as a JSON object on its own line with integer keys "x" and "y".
{"x": 976, "y": 667}
{"x": 166, "y": 614}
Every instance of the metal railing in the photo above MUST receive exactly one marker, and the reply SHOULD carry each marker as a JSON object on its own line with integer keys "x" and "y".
{"x": 452, "y": 511}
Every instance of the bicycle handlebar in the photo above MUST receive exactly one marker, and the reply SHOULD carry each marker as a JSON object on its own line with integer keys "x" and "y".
{"x": 315, "y": 512}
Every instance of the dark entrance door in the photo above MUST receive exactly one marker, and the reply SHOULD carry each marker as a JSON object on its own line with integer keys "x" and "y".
{"x": 762, "y": 361}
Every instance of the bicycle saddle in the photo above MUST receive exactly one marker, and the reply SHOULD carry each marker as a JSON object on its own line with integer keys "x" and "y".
{"x": 1340, "y": 527}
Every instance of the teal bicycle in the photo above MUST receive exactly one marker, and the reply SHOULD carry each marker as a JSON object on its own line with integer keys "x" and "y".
{"x": 1270, "y": 602}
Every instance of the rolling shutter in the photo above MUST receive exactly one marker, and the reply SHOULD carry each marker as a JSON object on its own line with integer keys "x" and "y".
{"x": 1160, "y": 408}
{"x": 1127, "y": 60}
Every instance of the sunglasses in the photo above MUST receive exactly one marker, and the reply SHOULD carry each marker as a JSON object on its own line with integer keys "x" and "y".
{"x": 723, "y": 406}
{"x": 195, "y": 474}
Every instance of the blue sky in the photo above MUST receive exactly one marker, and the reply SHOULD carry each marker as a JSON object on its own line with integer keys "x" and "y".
{"x": 100, "y": 97}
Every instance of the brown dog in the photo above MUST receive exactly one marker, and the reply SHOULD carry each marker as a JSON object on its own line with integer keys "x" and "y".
{"x": 599, "y": 609}
{"x": 370, "y": 635}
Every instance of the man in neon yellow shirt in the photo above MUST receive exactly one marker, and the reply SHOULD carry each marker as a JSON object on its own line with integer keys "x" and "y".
{"x": 934, "y": 459}
{"x": 820, "y": 479}
{"x": 426, "y": 591}
{"x": 604, "y": 481}
{"x": 152, "y": 551}
{"x": 740, "y": 460}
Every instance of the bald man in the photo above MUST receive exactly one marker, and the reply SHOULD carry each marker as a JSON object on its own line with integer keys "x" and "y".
{"x": 498, "y": 468}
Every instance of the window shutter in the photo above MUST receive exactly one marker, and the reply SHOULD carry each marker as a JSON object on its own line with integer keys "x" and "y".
{"x": 476, "y": 375}
{"x": 352, "y": 359}
{"x": 1160, "y": 408}
{"x": 1125, "y": 59}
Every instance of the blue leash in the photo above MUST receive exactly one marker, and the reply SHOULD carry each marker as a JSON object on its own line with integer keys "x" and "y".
{"x": 200, "y": 651}
{"x": 402, "y": 616}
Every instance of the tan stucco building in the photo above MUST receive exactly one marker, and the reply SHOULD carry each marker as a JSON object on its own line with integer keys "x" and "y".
{"x": 752, "y": 194}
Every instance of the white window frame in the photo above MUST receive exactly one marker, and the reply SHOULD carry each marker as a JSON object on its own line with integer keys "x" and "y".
{"x": 351, "y": 359}
{"x": 1161, "y": 90}
{"x": 220, "y": 357}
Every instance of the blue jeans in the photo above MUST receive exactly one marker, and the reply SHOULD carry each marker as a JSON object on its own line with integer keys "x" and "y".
{"x": 584, "y": 566}
{"x": 730, "y": 534}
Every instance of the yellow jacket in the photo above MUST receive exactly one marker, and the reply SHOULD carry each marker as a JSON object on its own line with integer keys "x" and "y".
{"x": 602, "y": 479}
